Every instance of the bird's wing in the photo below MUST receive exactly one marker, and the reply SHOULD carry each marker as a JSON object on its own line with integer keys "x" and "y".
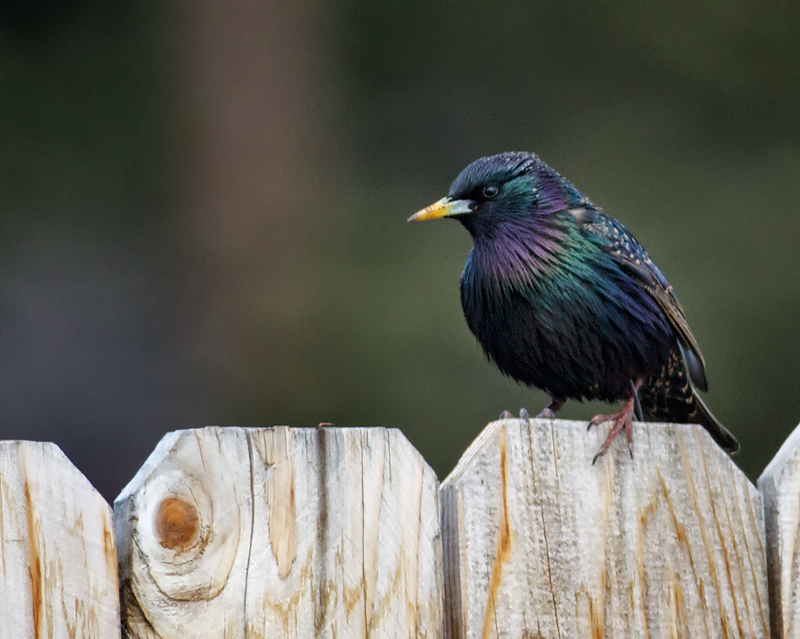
{"x": 623, "y": 248}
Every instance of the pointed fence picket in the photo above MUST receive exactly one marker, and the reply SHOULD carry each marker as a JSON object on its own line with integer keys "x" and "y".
{"x": 58, "y": 568}
{"x": 336, "y": 532}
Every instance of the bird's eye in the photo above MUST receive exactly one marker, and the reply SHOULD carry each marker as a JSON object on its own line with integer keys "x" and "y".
{"x": 490, "y": 191}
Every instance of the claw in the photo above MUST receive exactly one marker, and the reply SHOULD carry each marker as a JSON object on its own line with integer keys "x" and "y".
{"x": 549, "y": 411}
{"x": 506, "y": 414}
{"x": 523, "y": 414}
{"x": 600, "y": 419}
{"x": 629, "y": 434}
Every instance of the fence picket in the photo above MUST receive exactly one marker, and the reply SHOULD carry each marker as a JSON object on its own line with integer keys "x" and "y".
{"x": 58, "y": 564}
{"x": 281, "y": 532}
{"x": 538, "y": 542}
{"x": 780, "y": 486}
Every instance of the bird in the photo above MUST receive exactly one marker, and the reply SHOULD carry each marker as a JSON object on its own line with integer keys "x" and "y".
{"x": 563, "y": 298}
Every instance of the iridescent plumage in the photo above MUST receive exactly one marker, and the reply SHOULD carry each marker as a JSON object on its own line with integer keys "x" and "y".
{"x": 562, "y": 297}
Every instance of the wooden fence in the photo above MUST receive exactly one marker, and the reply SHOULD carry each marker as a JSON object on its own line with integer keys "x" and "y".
{"x": 338, "y": 533}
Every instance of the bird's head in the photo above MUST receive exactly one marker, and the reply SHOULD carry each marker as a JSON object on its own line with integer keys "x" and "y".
{"x": 503, "y": 190}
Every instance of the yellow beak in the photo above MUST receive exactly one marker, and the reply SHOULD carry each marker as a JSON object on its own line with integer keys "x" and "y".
{"x": 446, "y": 207}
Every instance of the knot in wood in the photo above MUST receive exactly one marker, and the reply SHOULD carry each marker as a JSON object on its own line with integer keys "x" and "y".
{"x": 176, "y": 523}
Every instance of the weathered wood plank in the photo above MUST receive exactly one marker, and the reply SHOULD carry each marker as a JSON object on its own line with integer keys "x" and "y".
{"x": 279, "y": 532}
{"x": 58, "y": 564}
{"x": 540, "y": 543}
{"x": 780, "y": 486}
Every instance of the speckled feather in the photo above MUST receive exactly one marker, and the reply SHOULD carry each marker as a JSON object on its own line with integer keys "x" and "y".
{"x": 562, "y": 297}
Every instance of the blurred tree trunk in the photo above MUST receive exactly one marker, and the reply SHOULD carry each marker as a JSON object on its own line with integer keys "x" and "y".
{"x": 251, "y": 79}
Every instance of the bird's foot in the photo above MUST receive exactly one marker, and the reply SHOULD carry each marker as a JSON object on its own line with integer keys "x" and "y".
{"x": 549, "y": 411}
{"x": 622, "y": 419}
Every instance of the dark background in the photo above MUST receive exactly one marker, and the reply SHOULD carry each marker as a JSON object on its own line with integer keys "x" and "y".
{"x": 203, "y": 206}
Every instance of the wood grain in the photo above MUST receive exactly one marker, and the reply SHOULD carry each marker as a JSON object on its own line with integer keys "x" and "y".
{"x": 279, "y": 532}
{"x": 538, "y": 542}
{"x": 780, "y": 486}
{"x": 58, "y": 568}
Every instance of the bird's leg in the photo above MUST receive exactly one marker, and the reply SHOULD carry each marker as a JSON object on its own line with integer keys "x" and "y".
{"x": 549, "y": 411}
{"x": 636, "y": 404}
{"x": 622, "y": 419}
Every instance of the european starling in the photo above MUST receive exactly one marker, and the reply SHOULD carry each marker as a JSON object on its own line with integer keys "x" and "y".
{"x": 563, "y": 298}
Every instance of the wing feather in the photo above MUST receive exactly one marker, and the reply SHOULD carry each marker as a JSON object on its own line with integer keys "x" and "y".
{"x": 618, "y": 242}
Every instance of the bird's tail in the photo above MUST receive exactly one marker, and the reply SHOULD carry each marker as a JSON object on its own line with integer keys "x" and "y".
{"x": 701, "y": 415}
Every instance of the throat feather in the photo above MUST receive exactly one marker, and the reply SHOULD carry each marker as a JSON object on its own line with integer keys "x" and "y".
{"x": 515, "y": 256}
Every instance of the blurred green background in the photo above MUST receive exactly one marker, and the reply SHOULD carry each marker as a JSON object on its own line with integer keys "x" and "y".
{"x": 203, "y": 206}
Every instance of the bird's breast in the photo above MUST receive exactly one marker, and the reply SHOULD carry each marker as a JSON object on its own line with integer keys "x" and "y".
{"x": 564, "y": 329}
